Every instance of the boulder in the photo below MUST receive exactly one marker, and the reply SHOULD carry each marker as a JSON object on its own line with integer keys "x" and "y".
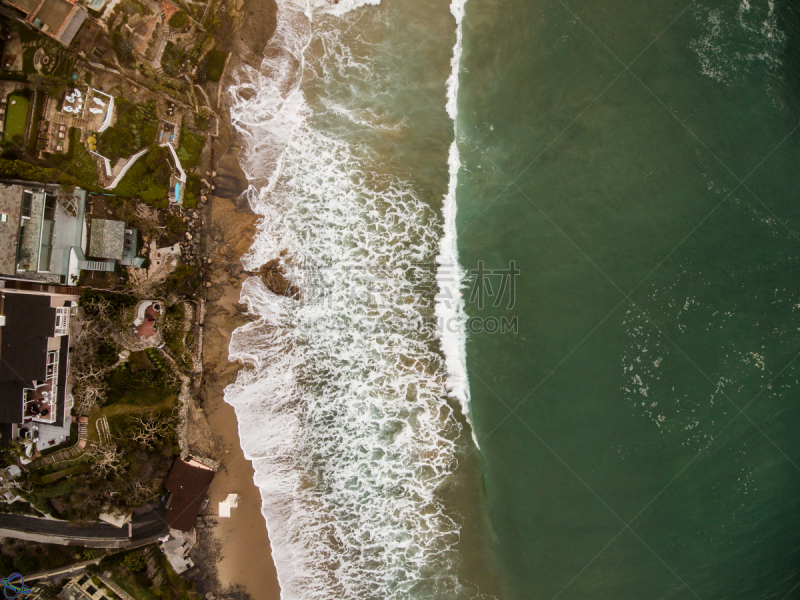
{"x": 274, "y": 276}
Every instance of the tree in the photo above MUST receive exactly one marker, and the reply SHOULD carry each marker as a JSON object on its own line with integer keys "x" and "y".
{"x": 106, "y": 458}
{"x": 123, "y": 47}
{"x": 141, "y": 491}
{"x": 148, "y": 430}
{"x": 6, "y": 564}
{"x": 26, "y": 564}
{"x": 89, "y": 394}
{"x": 134, "y": 562}
{"x": 179, "y": 19}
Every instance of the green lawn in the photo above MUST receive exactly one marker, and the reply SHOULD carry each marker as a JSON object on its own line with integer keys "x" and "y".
{"x": 216, "y": 62}
{"x": 53, "y": 477}
{"x": 127, "y": 397}
{"x": 77, "y": 161}
{"x": 16, "y": 118}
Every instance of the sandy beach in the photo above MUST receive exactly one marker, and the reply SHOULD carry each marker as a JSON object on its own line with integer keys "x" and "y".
{"x": 234, "y": 555}
{"x": 241, "y": 558}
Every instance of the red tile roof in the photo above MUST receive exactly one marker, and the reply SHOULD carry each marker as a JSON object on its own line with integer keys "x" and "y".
{"x": 169, "y": 9}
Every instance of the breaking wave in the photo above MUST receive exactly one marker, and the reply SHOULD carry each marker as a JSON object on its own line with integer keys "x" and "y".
{"x": 348, "y": 403}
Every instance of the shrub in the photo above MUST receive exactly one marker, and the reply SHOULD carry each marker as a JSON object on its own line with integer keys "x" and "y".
{"x": 172, "y": 59}
{"x": 86, "y": 173}
{"x": 192, "y": 145}
{"x": 193, "y": 187}
{"x": 134, "y": 562}
{"x": 179, "y": 19}
{"x": 108, "y": 562}
{"x": 148, "y": 179}
{"x": 175, "y": 224}
{"x": 182, "y": 280}
{"x": 26, "y": 564}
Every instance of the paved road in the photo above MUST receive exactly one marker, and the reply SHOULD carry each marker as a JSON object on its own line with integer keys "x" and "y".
{"x": 146, "y": 527}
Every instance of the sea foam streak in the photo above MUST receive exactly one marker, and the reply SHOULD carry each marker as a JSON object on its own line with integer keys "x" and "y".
{"x": 452, "y": 310}
{"x": 347, "y": 424}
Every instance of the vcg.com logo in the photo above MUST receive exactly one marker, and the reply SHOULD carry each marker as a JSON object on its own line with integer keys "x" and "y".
{"x": 14, "y": 586}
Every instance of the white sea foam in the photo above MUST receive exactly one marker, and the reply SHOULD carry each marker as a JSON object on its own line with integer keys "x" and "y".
{"x": 450, "y": 304}
{"x": 347, "y": 421}
{"x": 730, "y": 45}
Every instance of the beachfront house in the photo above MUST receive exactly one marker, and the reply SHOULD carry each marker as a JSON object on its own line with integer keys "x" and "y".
{"x": 42, "y": 232}
{"x": 35, "y": 387}
{"x": 187, "y": 484}
{"x": 58, "y": 19}
{"x": 111, "y": 242}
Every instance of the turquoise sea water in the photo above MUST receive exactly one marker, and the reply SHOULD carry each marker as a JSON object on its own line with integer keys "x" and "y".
{"x": 639, "y": 163}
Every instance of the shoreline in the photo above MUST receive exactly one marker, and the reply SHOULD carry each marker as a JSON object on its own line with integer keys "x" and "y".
{"x": 234, "y": 554}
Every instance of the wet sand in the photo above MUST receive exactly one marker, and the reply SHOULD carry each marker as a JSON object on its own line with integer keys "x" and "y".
{"x": 240, "y": 558}
{"x": 244, "y": 559}
{"x": 245, "y": 553}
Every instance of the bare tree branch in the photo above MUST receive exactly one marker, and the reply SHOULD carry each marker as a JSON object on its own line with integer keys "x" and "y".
{"x": 150, "y": 429}
{"x": 106, "y": 458}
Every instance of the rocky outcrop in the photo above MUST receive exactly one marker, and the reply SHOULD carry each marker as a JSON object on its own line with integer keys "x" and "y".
{"x": 274, "y": 276}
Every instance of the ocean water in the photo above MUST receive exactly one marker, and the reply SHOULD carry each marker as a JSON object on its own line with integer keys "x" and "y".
{"x": 549, "y": 319}
{"x": 638, "y": 162}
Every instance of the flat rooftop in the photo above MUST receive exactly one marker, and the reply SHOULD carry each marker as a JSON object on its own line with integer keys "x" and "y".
{"x": 26, "y": 6}
{"x": 106, "y": 239}
{"x": 10, "y": 200}
{"x": 53, "y": 13}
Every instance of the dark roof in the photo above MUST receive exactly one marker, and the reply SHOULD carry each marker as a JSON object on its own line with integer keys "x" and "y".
{"x": 188, "y": 485}
{"x": 23, "y": 355}
{"x": 5, "y": 432}
{"x": 29, "y": 322}
{"x": 11, "y": 408}
{"x": 61, "y": 391}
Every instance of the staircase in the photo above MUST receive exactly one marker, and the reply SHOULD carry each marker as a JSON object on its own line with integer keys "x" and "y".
{"x": 67, "y": 453}
{"x": 102, "y": 430}
{"x": 97, "y": 265}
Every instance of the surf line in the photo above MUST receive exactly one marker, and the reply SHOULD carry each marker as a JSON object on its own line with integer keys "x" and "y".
{"x": 450, "y": 275}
